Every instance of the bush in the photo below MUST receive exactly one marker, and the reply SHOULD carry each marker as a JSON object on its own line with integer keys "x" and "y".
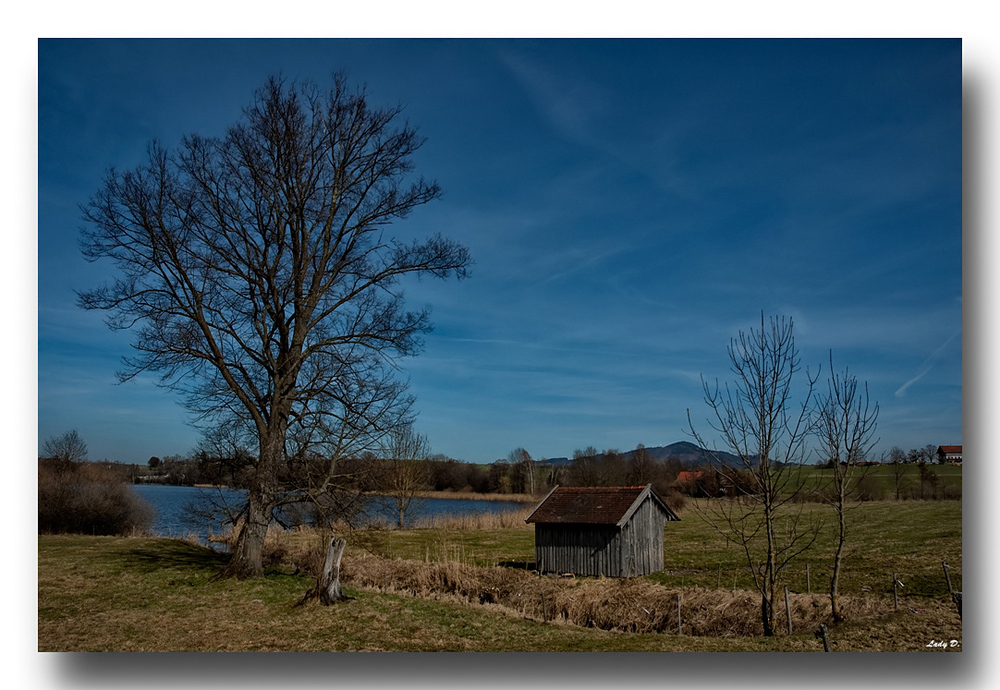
{"x": 83, "y": 498}
{"x": 869, "y": 489}
{"x": 674, "y": 499}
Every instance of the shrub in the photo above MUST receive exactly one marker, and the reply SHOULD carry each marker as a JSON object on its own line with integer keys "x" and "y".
{"x": 83, "y": 498}
{"x": 869, "y": 489}
{"x": 674, "y": 499}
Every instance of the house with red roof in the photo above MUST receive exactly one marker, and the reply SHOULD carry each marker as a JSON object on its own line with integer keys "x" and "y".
{"x": 952, "y": 454}
{"x": 689, "y": 476}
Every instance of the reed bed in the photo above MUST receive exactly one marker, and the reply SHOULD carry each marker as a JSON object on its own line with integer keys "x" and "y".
{"x": 440, "y": 564}
{"x": 632, "y": 605}
{"x": 512, "y": 519}
{"x": 624, "y": 604}
{"x": 473, "y": 496}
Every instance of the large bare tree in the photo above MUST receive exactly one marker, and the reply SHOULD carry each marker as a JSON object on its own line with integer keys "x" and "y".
{"x": 758, "y": 420}
{"x": 258, "y": 278}
{"x": 845, "y": 427}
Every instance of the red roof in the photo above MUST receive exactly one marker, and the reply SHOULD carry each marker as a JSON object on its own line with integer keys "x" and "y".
{"x": 689, "y": 476}
{"x": 951, "y": 449}
{"x": 604, "y": 505}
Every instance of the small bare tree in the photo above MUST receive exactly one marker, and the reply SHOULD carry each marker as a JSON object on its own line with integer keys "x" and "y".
{"x": 521, "y": 460}
{"x": 585, "y": 468}
{"x": 759, "y": 422}
{"x": 846, "y": 423}
{"x": 405, "y": 471}
{"x": 642, "y": 469}
{"x": 897, "y": 461}
{"x": 68, "y": 447}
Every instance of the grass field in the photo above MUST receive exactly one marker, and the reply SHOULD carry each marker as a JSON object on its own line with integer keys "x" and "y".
{"x": 910, "y": 538}
{"x": 146, "y": 594}
{"x": 883, "y": 481}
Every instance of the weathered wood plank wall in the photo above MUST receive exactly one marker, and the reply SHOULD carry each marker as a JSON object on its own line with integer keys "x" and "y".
{"x": 585, "y": 549}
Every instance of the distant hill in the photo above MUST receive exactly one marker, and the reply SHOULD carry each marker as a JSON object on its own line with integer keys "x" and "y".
{"x": 691, "y": 454}
{"x": 688, "y": 453}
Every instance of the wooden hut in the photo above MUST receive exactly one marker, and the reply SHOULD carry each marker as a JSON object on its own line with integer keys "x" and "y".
{"x": 615, "y": 531}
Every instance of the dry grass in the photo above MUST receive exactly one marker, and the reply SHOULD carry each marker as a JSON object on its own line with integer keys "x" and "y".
{"x": 456, "y": 564}
{"x": 465, "y": 522}
{"x": 630, "y": 605}
{"x": 122, "y": 594}
{"x": 473, "y": 496}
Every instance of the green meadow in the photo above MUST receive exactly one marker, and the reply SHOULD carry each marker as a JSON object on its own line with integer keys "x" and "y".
{"x": 155, "y": 594}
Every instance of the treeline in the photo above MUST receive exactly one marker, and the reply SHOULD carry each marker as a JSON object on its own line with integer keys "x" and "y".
{"x": 613, "y": 468}
{"x": 200, "y": 468}
{"x": 915, "y": 456}
{"x": 520, "y": 474}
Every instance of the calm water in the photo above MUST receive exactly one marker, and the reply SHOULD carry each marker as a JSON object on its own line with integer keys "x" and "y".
{"x": 174, "y": 519}
{"x": 172, "y": 504}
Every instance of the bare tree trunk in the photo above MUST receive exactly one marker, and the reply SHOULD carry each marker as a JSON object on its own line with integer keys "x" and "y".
{"x": 835, "y": 610}
{"x": 248, "y": 555}
{"x": 770, "y": 574}
{"x": 767, "y": 615}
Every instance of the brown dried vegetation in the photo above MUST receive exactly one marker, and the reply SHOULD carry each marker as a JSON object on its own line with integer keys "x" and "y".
{"x": 631, "y": 605}
{"x": 628, "y": 605}
{"x": 87, "y": 498}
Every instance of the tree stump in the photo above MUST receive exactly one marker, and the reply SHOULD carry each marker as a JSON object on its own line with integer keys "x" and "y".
{"x": 329, "y": 581}
{"x": 327, "y": 587}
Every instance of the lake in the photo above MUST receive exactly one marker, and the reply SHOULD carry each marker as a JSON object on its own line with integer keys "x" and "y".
{"x": 174, "y": 518}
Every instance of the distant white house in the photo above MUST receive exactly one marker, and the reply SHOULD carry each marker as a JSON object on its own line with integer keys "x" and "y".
{"x": 951, "y": 454}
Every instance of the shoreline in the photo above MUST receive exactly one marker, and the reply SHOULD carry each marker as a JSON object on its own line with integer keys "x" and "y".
{"x": 472, "y": 496}
{"x": 461, "y": 495}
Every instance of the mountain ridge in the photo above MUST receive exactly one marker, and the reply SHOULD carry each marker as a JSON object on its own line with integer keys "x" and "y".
{"x": 685, "y": 451}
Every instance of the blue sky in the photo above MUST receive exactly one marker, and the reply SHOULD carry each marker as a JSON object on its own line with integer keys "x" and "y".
{"x": 630, "y": 205}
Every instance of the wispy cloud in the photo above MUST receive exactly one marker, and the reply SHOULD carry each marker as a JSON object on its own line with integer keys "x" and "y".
{"x": 568, "y": 102}
{"x": 928, "y": 364}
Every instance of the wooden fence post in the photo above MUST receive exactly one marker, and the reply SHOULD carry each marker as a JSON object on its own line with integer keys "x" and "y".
{"x": 824, "y": 637}
{"x": 679, "y": 614}
{"x": 788, "y": 611}
{"x": 956, "y": 597}
{"x": 808, "y": 583}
